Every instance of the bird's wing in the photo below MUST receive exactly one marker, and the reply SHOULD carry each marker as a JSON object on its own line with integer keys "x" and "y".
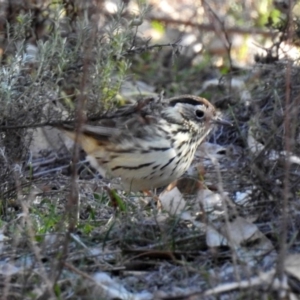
{"x": 125, "y": 122}
{"x": 101, "y": 133}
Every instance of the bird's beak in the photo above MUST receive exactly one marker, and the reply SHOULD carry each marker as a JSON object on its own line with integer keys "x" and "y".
{"x": 220, "y": 121}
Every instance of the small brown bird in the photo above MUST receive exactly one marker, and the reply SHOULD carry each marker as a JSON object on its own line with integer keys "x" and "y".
{"x": 148, "y": 144}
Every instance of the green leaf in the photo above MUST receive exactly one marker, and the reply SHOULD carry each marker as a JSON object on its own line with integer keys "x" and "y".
{"x": 158, "y": 26}
{"x": 120, "y": 202}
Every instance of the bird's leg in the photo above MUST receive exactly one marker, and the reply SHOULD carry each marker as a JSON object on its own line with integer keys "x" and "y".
{"x": 154, "y": 197}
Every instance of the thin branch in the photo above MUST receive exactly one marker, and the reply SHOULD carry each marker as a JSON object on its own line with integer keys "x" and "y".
{"x": 287, "y": 148}
{"x": 209, "y": 27}
{"x": 146, "y": 47}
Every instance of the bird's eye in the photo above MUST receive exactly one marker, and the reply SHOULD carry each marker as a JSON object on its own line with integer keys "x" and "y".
{"x": 199, "y": 113}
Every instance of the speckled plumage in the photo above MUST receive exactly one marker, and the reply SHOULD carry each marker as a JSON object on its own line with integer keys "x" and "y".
{"x": 148, "y": 144}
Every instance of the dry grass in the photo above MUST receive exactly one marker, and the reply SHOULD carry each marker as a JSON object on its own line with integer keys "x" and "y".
{"x": 61, "y": 232}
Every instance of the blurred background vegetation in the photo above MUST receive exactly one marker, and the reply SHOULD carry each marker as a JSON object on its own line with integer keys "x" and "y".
{"x": 60, "y": 59}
